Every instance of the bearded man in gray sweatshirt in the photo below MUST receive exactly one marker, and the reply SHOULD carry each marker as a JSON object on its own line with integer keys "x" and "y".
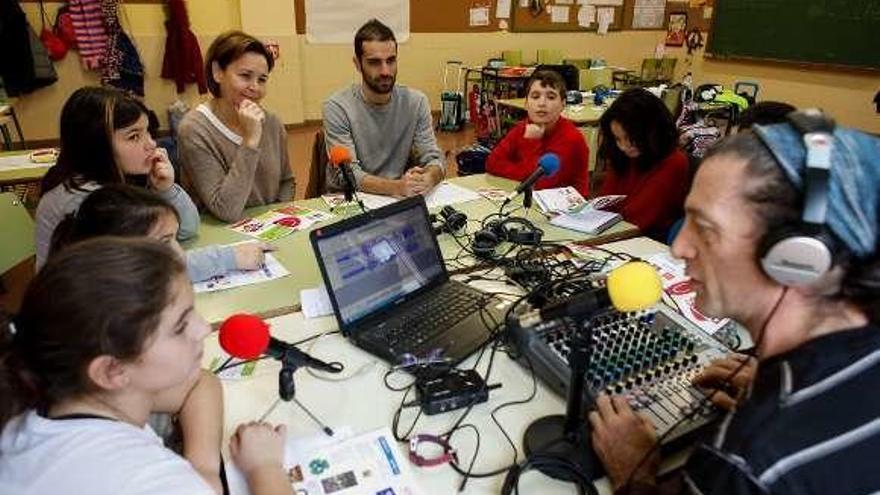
{"x": 387, "y": 127}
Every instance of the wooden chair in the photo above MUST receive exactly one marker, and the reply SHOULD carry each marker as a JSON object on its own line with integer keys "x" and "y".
{"x": 317, "y": 184}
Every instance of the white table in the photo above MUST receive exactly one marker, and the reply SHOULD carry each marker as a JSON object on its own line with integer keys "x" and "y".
{"x": 363, "y": 403}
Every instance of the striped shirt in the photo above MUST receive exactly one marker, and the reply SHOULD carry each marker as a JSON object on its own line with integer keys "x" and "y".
{"x": 811, "y": 424}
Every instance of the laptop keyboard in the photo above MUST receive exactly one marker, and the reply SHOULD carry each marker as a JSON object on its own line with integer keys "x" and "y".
{"x": 445, "y": 308}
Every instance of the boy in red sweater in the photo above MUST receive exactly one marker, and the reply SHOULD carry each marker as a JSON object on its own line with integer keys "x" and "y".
{"x": 543, "y": 131}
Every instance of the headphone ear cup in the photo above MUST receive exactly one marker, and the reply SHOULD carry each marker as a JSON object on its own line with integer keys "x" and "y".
{"x": 798, "y": 255}
{"x": 455, "y": 220}
{"x": 484, "y": 243}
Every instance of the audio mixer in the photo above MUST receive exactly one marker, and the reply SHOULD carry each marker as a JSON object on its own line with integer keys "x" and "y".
{"x": 648, "y": 357}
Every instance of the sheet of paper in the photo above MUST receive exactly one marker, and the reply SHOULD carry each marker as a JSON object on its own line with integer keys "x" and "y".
{"x": 368, "y": 463}
{"x": 270, "y": 270}
{"x": 231, "y": 371}
{"x": 605, "y": 17}
{"x": 493, "y": 194}
{"x": 447, "y": 193}
{"x": 523, "y": 3}
{"x": 479, "y": 16}
{"x": 707, "y": 12}
{"x": 295, "y": 448}
{"x": 564, "y": 2}
{"x": 586, "y": 15}
{"x": 280, "y": 222}
{"x": 678, "y": 288}
{"x": 502, "y": 9}
{"x": 373, "y": 201}
{"x": 315, "y": 302}
{"x": 648, "y": 14}
{"x": 20, "y": 162}
{"x": 559, "y": 14}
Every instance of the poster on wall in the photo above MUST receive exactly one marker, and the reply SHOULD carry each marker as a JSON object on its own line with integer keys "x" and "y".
{"x": 675, "y": 30}
{"x": 648, "y": 14}
{"x": 336, "y": 21}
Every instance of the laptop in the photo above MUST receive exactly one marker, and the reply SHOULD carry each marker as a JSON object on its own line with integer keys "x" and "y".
{"x": 390, "y": 290}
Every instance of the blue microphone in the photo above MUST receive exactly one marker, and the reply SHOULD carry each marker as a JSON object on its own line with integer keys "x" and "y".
{"x": 548, "y": 165}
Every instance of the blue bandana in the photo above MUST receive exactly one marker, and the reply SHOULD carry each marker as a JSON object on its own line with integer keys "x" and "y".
{"x": 854, "y": 181}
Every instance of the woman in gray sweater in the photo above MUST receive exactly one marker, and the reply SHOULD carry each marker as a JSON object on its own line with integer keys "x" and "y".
{"x": 232, "y": 150}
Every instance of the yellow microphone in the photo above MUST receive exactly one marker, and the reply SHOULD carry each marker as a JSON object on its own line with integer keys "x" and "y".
{"x": 632, "y": 286}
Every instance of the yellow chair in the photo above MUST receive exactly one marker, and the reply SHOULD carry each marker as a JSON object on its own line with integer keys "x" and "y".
{"x": 666, "y": 70}
{"x": 580, "y": 63}
{"x": 512, "y": 58}
{"x": 549, "y": 57}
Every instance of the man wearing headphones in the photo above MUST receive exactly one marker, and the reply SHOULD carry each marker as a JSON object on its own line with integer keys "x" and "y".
{"x": 781, "y": 234}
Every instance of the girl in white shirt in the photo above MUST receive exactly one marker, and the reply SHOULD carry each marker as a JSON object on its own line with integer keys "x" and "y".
{"x": 107, "y": 334}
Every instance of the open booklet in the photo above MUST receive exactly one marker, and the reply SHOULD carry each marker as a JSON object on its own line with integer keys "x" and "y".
{"x": 569, "y": 210}
{"x": 567, "y": 200}
{"x": 587, "y": 220}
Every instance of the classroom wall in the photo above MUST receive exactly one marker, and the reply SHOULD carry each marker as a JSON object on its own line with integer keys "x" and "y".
{"x": 847, "y": 95}
{"x": 306, "y": 74}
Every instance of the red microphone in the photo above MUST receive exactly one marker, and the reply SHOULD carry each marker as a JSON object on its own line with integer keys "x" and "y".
{"x": 247, "y": 337}
{"x": 244, "y": 336}
{"x": 340, "y": 157}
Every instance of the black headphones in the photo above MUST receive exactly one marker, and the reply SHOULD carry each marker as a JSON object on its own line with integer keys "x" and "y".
{"x": 515, "y": 230}
{"x": 802, "y": 253}
{"x": 451, "y": 221}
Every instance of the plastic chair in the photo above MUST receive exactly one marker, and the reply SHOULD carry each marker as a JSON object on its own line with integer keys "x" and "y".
{"x": 748, "y": 90}
{"x": 666, "y": 70}
{"x": 549, "y": 57}
{"x": 580, "y": 63}
{"x": 512, "y": 58}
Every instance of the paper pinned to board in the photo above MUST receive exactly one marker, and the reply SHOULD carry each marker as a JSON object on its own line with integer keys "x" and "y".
{"x": 605, "y": 17}
{"x": 586, "y": 15}
{"x": 502, "y": 9}
{"x": 648, "y": 14}
{"x": 559, "y": 14}
{"x": 479, "y": 16}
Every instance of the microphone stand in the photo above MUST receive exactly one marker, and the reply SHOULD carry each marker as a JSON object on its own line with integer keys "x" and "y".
{"x": 350, "y": 187}
{"x": 292, "y": 359}
{"x": 567, "y": 436}
{"x": 527, "y": 198}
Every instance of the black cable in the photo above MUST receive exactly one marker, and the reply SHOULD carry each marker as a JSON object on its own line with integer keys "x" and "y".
{"x": 227, "y": 366}
{"x": 313, "y": 337}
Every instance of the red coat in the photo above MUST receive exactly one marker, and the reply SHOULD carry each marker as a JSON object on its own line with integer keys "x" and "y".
{"x": 516, "y": 157}
{"x": 183, "y": 57}
{"x": 654, "y": 199}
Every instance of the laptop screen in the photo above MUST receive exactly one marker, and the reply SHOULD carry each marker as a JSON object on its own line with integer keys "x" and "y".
{"x": 377, "y": 264}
